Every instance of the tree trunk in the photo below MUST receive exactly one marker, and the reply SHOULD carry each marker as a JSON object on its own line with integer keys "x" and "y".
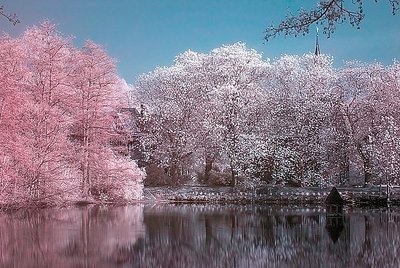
{"x": 174, "y": 172}
{"x": 208, "y": 167}
{"x": 85, "y": 165}
{"x": 366, "y": 162}
{"x": 367, "y": 171}
{"x": 234, "y": 176}
{"x": 344, "y": 167}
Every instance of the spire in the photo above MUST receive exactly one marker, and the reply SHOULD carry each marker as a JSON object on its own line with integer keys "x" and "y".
{"x": 317, "y": 51}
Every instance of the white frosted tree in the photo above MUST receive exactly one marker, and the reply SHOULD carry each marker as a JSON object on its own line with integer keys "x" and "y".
{"x": 362, "y": 89}
{"x": 168, "y": 129}
{"x": 236, "y": 100}
{"x": 298, "y": 94}
{"x": 205, "y": 102}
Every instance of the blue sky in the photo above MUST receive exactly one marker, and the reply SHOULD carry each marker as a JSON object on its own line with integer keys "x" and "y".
{"x": 143, "y": 34}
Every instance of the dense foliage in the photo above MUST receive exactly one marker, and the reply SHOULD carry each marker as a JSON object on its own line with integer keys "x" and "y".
{"x": 229, "y": 115}
{"x": 59, "y": 122}
{"x": 225, "y": 117}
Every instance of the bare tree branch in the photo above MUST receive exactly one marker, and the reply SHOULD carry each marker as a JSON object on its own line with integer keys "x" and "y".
{"x": 10, "y": 17}
{"x": 328, "y": 14}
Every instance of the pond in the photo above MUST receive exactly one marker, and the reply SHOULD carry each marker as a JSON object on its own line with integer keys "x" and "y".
{"x": 167, "y": 235}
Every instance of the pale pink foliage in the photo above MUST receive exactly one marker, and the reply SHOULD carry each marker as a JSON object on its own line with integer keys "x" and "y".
{"x": 59, "y": 116}
{"x": 11, "y": 108}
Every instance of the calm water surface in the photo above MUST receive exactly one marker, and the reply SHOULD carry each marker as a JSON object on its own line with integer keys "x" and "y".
{"x": 200, "y": 236}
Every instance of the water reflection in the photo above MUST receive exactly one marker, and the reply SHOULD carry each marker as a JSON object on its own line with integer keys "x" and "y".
{"x": 334, "y": 221}
{"x": 90, "y": 237}
{"x": 200, "y": 236}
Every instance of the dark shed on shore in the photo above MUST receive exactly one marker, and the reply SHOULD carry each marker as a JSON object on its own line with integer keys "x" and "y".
{"x": 334, "y": 198}
{"x": 334, "y": 202}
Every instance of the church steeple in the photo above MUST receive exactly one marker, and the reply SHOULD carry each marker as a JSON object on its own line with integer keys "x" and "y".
{"x": 317, "y": 51}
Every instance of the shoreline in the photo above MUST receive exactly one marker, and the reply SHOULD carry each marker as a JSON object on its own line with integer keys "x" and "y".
{"x": 269, "y": 195}
{"x": 353, "y": 196}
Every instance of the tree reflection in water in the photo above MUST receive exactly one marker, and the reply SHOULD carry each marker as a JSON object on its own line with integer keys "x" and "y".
{"x": 87, "y": 237}
{"x": 199, "y": 236}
